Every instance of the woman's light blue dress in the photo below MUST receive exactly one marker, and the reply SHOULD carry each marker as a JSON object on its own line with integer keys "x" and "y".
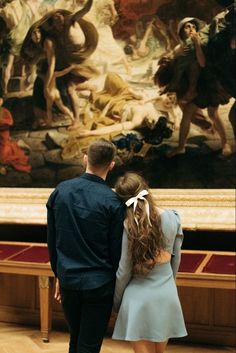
{"x": 149, "y": 306}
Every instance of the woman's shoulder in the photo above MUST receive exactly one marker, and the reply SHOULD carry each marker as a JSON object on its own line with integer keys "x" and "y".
{"x": 167, "y": 211}
{"x": 169, "y": 216}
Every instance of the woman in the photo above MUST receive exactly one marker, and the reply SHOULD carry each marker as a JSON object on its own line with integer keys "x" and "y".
{"x": 145, "y": 293}
{"x": 39, "y": 49}
{"x": 130, "y": 109}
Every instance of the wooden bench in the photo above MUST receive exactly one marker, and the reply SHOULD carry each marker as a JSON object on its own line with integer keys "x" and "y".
{"x": 204, "y": 269}
{"x": 31, "y": 259}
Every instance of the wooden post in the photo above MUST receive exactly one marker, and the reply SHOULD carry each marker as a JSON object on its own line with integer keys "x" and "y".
{"x": 45, "y": 295}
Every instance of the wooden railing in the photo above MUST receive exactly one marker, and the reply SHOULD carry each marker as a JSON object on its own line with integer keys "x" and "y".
{"x": 198, "y": 269}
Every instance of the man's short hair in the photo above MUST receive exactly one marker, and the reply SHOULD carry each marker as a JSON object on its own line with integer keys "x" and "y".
{"x": 101, "y": 153}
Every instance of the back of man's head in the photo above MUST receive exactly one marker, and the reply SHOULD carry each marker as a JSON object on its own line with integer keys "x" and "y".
{"x": 101, "y": 153}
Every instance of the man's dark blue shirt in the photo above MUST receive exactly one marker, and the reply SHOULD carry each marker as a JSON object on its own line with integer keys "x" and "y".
{"x": 85, "y": 226}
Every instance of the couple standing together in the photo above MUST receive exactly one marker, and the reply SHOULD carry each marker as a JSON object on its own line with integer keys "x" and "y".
{"x": 114, "y": 249}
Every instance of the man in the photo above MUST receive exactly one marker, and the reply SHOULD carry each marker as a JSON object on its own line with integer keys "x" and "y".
{"x": 76, "y": 39}
{"x": 85, "y": 225}
{"x": 205, "y": 91}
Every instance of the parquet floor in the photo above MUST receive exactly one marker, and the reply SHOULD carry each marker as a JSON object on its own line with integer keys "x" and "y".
{"x": 25, "y": 339}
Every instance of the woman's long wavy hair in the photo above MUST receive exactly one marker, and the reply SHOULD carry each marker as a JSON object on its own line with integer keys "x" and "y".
{"x": 145, "y": 241}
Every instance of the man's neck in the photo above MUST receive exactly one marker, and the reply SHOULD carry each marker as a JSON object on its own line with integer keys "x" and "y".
{"x": 100, "y": 173}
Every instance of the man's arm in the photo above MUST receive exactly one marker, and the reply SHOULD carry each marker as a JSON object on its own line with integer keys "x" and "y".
{"x": 65, "y": 71}
{"x": 51, "y": 233}
{"x": 116, "y": 231}
{"x": 79, "y": 14}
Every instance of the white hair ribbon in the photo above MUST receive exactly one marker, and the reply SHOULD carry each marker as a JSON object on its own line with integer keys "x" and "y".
{"x": 134, "y": 201}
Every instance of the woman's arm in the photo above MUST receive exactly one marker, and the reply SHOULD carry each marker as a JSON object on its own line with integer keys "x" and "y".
{"x": 127, "y": 125}
{"x": 79, "y": 14}
{"x": 64, "y": 71}
{"x": 103, "y": 130}
{"x": 123, "y": 274}
{"x": 176, "y": 257}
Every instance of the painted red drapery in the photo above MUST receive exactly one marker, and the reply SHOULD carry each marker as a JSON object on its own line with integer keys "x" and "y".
{"x": 135, "y": 9}
{"x": 10, "y": 153}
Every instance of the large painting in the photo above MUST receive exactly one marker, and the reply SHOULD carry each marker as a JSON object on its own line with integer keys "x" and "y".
{"x": 156, "y": 77}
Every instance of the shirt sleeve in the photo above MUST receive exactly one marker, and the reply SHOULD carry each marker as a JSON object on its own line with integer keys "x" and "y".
{"x": 116, "y": 230}
{"x": 51, "y": 233}
{"x": 176, "y": 258}
{"x": 123, "y": 274}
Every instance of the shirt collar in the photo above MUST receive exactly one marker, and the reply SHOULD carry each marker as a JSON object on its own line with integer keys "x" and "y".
{"x": 93, "y": 177}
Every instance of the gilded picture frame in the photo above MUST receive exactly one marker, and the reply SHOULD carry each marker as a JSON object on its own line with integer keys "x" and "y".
{"x": 200, "y": 209}
{"x": 36, "y": 153}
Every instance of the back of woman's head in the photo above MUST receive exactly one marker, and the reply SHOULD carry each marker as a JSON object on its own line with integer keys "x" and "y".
{"x": 129, "y": 185}
{"x": 142, "y": 221}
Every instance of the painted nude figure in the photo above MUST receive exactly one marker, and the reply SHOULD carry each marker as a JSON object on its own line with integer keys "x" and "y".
{"x": 128, "y": 107}
{"x": 68, "y": 41}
